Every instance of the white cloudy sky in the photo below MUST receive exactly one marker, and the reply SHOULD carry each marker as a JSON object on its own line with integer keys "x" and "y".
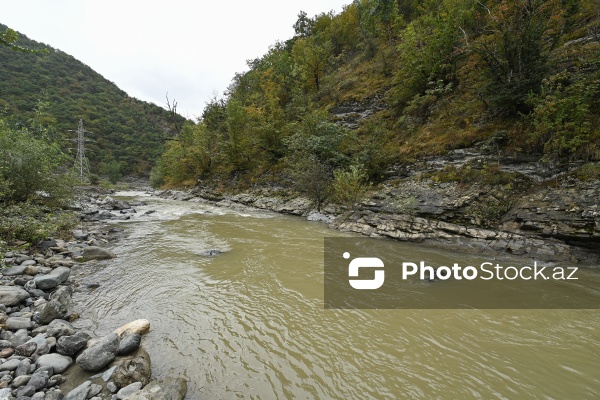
{"x": 188, "y": 48}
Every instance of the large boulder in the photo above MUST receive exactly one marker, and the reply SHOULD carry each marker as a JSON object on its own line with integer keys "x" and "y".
{"x": 96, "y": 253}
{"x": 167, "y": 389}
{"x": 133, "y": 369}
{"x": 99, "y": 354}
{"x": 60, "y": 306}
{"x": 11, "y": 295}
{"x": 53, "y": 279}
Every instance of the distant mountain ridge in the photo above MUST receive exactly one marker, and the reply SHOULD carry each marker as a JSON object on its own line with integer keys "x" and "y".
{"x": 125, "y": 129}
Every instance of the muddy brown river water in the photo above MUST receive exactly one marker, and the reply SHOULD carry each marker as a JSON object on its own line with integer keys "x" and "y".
{"x": 250, "y": 322}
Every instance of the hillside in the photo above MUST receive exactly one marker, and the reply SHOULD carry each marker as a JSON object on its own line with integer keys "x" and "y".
{"x": 124, "y": 129}
{"x": 386, "y": 83}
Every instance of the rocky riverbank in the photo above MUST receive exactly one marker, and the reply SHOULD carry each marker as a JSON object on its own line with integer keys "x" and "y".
{"x": 40, "y": 347}
{"x": 553, "y": 217}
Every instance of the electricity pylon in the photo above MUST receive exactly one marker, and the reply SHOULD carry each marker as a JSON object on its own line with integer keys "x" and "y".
{"x": 81, "y": 166}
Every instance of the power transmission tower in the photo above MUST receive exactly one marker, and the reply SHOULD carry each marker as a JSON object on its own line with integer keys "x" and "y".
{"x": 81, "y": 163}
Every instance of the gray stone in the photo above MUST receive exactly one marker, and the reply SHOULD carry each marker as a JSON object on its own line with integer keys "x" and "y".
{"x": 80, "y": 235}
{"x": 129, "y": 344}
{"x": 97, "y": 253}
{"x": 16, "y": 323}
{"x": 41, "y": 343}
{"x": 19, "y": 258}
{"x": 58, "y": 362}
{"x": 80, "y": 392}
{"x": 11, "y": 295}
{"x": 54, "y": 395}
{"x": 112, "y": 387}
{"x": 60, "y": 305}
{"x": 40, "y": 378}
{"x": 46, "y": 244}
{"x": 39, "y": 396}
{"x": 21, "y": 380}
{"x": 58, "y": 260}
{"x": 70, "y": 345}
{"x": 129, "y": 390}
{"x": 26, "y": 349}
{"x": 133, "y": 369}
{"x": 23, "y": 368}
{"x": 106, "y": 375}
{"x": 94, "y": 390}
{"x": 51, "y": 340}
{"x": 15, "y": 270}
{"x": 60, "y": 327}
{"x": 100, "y": 353}
{"x": 6, "y": 394}
{"x": 25, "y": 391}
{"x": 27, "y": 263}
{"x": 167, "y": 389}
{"x": 53, "y": 279}
{"x": 10, "y": 365}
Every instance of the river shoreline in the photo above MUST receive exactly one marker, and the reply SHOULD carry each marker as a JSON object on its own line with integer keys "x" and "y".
{"x": 551, "y": 224}
{"x": 44, "y": 354}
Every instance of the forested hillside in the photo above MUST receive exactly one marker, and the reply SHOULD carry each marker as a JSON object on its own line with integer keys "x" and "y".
{"x": 128, "y": 134}
{"x": 387, "y": 82}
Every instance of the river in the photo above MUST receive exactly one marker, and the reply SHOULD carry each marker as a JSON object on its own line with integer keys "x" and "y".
{"x": 250, "y": 322}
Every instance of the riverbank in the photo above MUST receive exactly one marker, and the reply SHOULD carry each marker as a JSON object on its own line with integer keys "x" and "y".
{"x": 41, "y": 348}
{"x": 556, "y": 221}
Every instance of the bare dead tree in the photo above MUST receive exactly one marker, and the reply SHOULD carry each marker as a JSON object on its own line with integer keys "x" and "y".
{"x": 173, "y": 112}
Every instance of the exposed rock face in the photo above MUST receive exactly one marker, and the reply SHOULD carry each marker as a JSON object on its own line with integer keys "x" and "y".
{"x": 570, "y": 214}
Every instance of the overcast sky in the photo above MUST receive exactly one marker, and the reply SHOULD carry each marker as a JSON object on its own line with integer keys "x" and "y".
{"x": 188, "y": 48}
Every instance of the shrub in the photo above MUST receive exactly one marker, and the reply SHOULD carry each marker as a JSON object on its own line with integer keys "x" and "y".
{"x": 350, "y": 186}
{"x": 32, "y": 223}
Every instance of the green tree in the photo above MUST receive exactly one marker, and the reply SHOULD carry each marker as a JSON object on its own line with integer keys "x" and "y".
{"x": 30, "y": 168}
{"x": 311, "y": 56}
{"x": 513, "y": 48}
